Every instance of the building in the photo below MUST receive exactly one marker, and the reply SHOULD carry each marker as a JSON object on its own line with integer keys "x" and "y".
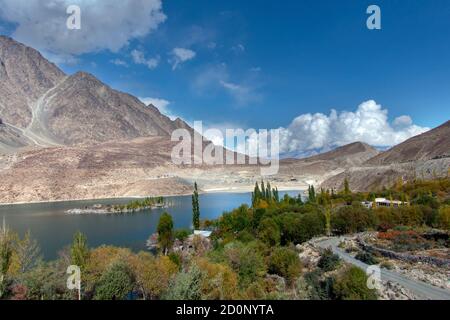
{"x": 383, "y": 202}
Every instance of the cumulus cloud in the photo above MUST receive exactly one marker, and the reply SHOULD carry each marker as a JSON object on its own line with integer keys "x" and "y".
{"x": 312, "y": 133}
{"x": 42, "y": 25}
{"x": 139, "y": 58}
{"x": 161, "y": 104}
{"x": 180, "y": 55}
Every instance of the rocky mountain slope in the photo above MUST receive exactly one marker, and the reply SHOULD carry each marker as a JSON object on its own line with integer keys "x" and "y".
{"x": 51, "y": 108}
{"x": 433, "y": 144}
{"x": 425, "y": 156}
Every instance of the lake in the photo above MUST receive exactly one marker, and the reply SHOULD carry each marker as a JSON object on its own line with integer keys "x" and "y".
{"x": 53, "y": 228}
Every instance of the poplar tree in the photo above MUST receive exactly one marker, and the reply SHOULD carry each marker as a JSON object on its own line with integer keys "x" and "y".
{"x": 195, "y": 208}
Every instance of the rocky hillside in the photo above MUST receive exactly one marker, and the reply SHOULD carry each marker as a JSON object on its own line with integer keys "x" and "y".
{"x": 433, "y": 144}
{"x": 50, "y": 108}
{"x": 424, "y": 156}
{"x": 351, "y": 154}
{"x": 24, "y": 77}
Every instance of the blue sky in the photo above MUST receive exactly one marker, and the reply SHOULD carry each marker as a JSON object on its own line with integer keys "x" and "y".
{"x": 262, "y": 64}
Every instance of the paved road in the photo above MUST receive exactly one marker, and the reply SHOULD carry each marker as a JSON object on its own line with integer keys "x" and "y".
{"x": 420, "y": 289}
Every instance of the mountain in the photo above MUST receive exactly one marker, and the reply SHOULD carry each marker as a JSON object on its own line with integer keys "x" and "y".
{"x": 348, "y": 155}
{"x": 425, "y": 156}
{"x": 24, "y": 76}
{"x": 432, "y": 144}
{"x": 51, "y": 108}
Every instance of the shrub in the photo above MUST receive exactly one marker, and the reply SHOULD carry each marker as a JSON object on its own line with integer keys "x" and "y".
{"x": 182, "y": 234}
{"x": 351, "y": 219}
{"x": 328, "y": 261}
{"x": 186, "y": 285}
{"x": 269, "y": 232}
{"x": 352, "y": 285}
{"x": 285, "y": 262}
{"x": 246, "y": 260}
{"x": 366, "y": 257}
{"x": 116, "y": 283}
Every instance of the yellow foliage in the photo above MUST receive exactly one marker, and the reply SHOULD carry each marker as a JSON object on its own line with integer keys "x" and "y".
{"x": 262, "y": 204}
{"x": 444, "y": 217}
{"x": 220, "y": 282}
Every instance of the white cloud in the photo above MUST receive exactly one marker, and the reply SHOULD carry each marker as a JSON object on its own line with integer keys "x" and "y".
{"x": 241, "y": 93}
{"x": 161, "y": 104}
{"x": 310, "y": 133}
{"x": 42, "y": 25}
{"x": 139, "y": 58}
{"x": 180, "y": 55}
{"x": 214, "y": 78}
{"x": 119, "y": 62}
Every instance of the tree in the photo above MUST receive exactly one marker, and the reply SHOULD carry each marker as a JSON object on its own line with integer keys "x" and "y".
{"x": 28, "y": 253}
{"x": 311, "y": 194}
{"x": 116, "y": 283}
{"x": 195, "y": 208}
{"x": 153, "y": 275}
{"x": 165, "y": 232}
{"x": 79, "y": 250}
{"x": 347, "y": 190}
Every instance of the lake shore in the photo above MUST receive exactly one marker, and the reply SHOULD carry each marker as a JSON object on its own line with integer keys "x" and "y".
{"x": 239, "y": 189}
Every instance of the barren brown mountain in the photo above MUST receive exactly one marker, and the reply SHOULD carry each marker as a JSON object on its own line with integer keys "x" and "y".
{"x": 433, "y": 144}
{"x": 49, "y": 108}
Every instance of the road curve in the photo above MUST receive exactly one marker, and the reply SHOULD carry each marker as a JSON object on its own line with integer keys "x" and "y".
{"x": 420, "y": 289}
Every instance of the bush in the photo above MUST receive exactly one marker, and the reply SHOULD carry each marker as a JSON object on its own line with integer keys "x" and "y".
{"x": 246, "y": 260}
{"x": 186, "y": 285}
{"x": 182, "y": 234}
{"x": 285, "y": 262}
{"x": 352, "y": 285}
{"x": 116, "y": 283}
{"x": 351, "y": 219}
{"x": 366, "y": 257}
{"x": 269, "y": 232}
{"x": 328, "y": 261}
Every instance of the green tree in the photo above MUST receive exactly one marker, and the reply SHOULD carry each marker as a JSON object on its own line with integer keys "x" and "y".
{"x": 115, "y": 283}
{"x": 347, "y": 190}
{"x": 165, "y": 232}
{"x": 79, "y": 251}
{"x": 311, "y": 194}
{"x": 195, "y": 208}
